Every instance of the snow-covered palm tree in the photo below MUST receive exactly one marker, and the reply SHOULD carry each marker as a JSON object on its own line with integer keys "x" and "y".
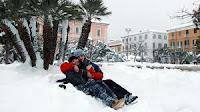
{"x": 92, "y": 9}
{"x": 53, "y": 12}
{"x": 10, "y": 31}
{"x": 20, "y": 15}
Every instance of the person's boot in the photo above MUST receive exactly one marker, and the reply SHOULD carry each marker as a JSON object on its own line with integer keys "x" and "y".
{"x": 117, "y": 104}
{"x": 130, "y": 99}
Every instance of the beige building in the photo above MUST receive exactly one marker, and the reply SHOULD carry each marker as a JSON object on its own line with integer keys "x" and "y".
{"x": 98, "y": 30}
{"x": 183, "y": 37}
{"x": 117, "y": 46}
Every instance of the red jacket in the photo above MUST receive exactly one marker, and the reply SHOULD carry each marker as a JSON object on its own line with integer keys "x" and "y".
{"x": 95, "y": 75}
{"x": 66, "y": 67}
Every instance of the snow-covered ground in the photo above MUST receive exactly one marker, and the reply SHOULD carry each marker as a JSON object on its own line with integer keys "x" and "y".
{"x": 26, "y": 89}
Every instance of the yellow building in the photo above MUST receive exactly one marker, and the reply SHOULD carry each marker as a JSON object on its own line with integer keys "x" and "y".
{"x": 183, "y": 37}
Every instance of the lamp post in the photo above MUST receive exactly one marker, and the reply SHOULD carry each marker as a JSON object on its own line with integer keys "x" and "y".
{"x": 128, "y": 30}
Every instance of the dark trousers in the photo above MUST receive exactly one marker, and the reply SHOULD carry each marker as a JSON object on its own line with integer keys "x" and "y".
{"x": 116, "y": 88}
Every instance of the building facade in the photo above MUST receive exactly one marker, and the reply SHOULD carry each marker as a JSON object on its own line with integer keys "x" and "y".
{"x": 184, "y": 37}
{"x": 116, "y": 46}
{"x": 144, "y": 41}
{"x": 98, "y": 30}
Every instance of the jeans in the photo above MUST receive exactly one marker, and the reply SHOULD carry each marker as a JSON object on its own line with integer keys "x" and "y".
{"x": 116, "y": 88}
{"x": 99, "y": 90}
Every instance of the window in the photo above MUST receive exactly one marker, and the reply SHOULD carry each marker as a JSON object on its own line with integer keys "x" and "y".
{"x": 165, "y": 37}
{"x": 130, "y": 46}
{"x": 194, "y": 43}
{"x": 98, "y": 32}
{"x": 154, "y": 36}
{"x": 159, "y": 45}
{"x": 187, "y": 43}
{"x": 135, "y": 38}
{"x": 179, "y": 44}
{"x": 154, "y": 46}
{"x": 173, "y": 45}
{"x": 187, "y": 33}
{"x": 165, "y": 45}
{"x": 77, "y": 30}
{"x": 146, "y": 36}
{"x": 130, "y": 39}
{"x": 159, "y": 37}
{"x": 123, "y": 40}
{"x": 126, "y": 40}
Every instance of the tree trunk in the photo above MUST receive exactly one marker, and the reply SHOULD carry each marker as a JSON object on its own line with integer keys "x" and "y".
{"x": 34, "y": 39}
{"x": 15, "y": 42}
{"x": 8, "y": 59}
{"x": 47, "y": 35}
{"x": 63, "y": 40}
{"x": 65, "y": 47}
{"x": 53, "y": 41}
{"x": 25, "y": 37}
{"x": 84, "y": 34}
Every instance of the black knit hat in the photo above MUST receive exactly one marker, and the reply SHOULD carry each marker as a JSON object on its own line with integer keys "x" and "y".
{"x": 72, "y": 58}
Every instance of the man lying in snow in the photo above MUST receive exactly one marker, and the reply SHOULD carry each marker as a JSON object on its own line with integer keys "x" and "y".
{"x": 96, "y": 88}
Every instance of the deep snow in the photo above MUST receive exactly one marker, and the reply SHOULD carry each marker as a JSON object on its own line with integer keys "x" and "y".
{"x": 26, "y": 89}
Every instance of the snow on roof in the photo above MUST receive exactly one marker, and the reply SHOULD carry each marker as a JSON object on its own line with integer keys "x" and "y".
{"x": 99, "y": 21}
{"x": 180, "y": 27}
{"x": 114, "y": 43}
{"x": 146, "y": 31}
{"x": 158, "y": 31}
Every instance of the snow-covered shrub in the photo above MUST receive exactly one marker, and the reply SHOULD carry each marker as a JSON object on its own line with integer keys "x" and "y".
{"x": 98, "y": 53}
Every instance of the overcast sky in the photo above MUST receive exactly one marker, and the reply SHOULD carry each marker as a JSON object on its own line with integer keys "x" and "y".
{"x": 143, "y": 15}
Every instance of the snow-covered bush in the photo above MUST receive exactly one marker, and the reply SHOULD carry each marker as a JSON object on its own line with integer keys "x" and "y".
{"x": 98, "y": 53}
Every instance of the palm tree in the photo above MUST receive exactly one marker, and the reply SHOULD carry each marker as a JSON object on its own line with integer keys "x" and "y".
{"x": 75, "y": 14}
{"x": 20, "y": 14}
{"x": 53, "y": 12}
{"x": 92, "y": 9}
{"x": 7, "y": 27}
{"x": 45, "y": 9}
{"x": 65, "y": 10}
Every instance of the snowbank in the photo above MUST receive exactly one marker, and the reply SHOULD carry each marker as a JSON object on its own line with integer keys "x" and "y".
{"x": 26, "y": 89}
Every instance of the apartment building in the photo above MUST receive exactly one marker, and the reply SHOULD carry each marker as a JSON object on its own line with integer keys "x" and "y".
{"x": 148, "y": 40}
{"x": 183, "y": 37}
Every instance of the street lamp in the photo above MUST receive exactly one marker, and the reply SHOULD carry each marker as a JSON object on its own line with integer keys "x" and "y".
{"x": 128, "y": 30}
